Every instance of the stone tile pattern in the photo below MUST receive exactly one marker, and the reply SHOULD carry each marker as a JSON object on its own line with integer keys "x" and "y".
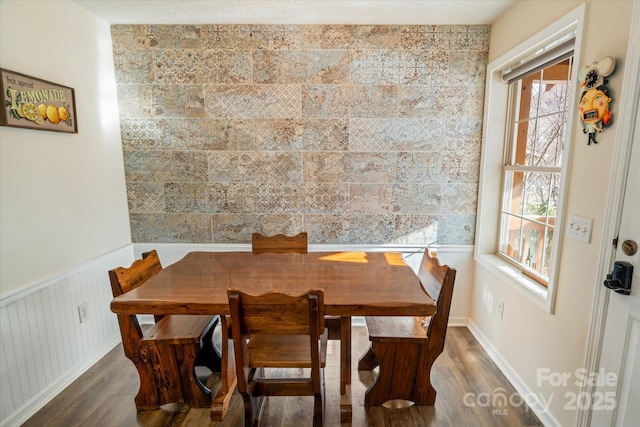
{"x": 357, "y": 134}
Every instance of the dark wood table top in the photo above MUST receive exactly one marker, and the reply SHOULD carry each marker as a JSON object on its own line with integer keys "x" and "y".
{"x": 354, "y": 283}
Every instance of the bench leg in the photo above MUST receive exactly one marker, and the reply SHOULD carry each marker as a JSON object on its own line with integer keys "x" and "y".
{"x": 400, "y": 375}
{"x": 159, "y": 381}
{"x": 166, "y": 374}
{"x": 195, "y": 393}
{"x": 368, "y": 361}
{"x": 424, "y": 393}
{"x": 147, "y": 397}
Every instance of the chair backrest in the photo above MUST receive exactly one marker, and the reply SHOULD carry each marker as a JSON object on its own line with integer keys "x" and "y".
{"x": 276, "y": 330}
{"x": 124, "y": 279}
{"x": 279, "y": 243}
{"x": 437, "y": 280}
{"x": 275, "y": 313}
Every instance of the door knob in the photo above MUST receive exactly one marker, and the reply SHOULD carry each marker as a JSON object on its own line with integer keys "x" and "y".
{"x": 629, "y": 247}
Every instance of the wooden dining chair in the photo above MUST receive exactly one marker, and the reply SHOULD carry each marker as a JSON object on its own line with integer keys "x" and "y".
{"x": 275, "y": 330}
{"x": 279, "y": 243}
{"x": 165, "y": 353}
{"x": 406, "y": 347}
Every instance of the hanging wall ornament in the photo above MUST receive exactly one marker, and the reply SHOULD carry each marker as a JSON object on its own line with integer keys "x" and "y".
{"x": 594, "y": 102}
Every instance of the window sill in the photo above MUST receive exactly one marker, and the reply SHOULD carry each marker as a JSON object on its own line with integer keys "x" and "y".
{"x": 531, "y": 289}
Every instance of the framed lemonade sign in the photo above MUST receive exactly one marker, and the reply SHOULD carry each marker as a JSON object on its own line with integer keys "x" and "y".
{"x": 36, "y": 104}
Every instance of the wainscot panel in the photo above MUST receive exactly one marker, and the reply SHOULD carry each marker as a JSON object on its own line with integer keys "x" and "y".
{"x": 44, "y": 345}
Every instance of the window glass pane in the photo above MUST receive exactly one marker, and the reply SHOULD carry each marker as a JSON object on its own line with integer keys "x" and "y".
{"x": 532, "y": 193}
{"x": 554, "y": 88}
{"x": 525, "y": 137}
{"x": 512, "y": 227}
{"x": 545, "y": 266}
{"x": 540, "y": 195}
{"x": 514, "y": 192}
{"x": 532, "y": 242}
{"x": 528, "y": 223}
{"x": 529, "y": 243}
{"x": 541, "y": 110}
{"x": 526, "y": 108}
{"x": 547, "y": 148}
{"x": 533, "y": 245}
{"x": 529, "y": 96}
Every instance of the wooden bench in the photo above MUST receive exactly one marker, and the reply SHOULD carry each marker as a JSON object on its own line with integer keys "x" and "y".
{"x": 165, "y": 353}
{"x": 406, "y": 347}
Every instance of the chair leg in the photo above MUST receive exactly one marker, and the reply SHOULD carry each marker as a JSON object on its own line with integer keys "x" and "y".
{"x": 254, "y": 404}
{"x": 248, "y": 409}
{"x": 318, "y": 410}
{"x": 318, "y": 403}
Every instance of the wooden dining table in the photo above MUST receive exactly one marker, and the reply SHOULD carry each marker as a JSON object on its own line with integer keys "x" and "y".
{"x": 354, "y": 284}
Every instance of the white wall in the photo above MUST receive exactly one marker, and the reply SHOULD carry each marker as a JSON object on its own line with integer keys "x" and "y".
{"x": 63, "y": 199}
{"x": 528, "y": 338}
{"x": 63, "y": 209}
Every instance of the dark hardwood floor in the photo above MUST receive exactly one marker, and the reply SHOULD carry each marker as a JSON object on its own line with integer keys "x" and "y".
{"x": 468, "y": 383}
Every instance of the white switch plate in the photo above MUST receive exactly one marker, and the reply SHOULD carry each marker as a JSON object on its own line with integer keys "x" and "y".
{"x": 83, "y": 312}
{"x": 500, "y": 309}
{"x": 579, "y": 228}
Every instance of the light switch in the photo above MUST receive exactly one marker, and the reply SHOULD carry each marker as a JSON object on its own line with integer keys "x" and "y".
{"x": 579, "y": 228}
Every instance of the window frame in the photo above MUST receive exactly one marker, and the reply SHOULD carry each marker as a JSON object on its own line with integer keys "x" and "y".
{"x": 494, "y": 146}
{"x": 511, "y": 147}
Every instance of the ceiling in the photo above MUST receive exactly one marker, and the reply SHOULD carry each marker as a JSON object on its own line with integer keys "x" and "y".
{"x": 407, "y": 12}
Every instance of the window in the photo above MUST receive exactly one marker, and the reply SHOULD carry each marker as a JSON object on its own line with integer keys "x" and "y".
{"x": 537, "y": 118}
{"x": 530, "y": 107}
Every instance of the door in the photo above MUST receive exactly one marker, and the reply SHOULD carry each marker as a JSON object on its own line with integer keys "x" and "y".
{"x": 617, "y": 396}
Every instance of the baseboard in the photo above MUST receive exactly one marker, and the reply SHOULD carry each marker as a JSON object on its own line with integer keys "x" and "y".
{"x": 358, "y": 321}
{"x": 458, "y": 321}
{"x": 38, "y": 401}
{"x": 542, "y": 413}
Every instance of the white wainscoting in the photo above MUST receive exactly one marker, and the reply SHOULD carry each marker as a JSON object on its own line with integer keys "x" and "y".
{"x": 43, "y": 345}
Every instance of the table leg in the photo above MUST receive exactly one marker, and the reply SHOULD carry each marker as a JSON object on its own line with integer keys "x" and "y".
{"x": 228, "y": 379}
{"x": 345, "y": 369}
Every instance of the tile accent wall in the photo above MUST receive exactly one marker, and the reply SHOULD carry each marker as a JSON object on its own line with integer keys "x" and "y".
{"x": 355, "y": 134}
